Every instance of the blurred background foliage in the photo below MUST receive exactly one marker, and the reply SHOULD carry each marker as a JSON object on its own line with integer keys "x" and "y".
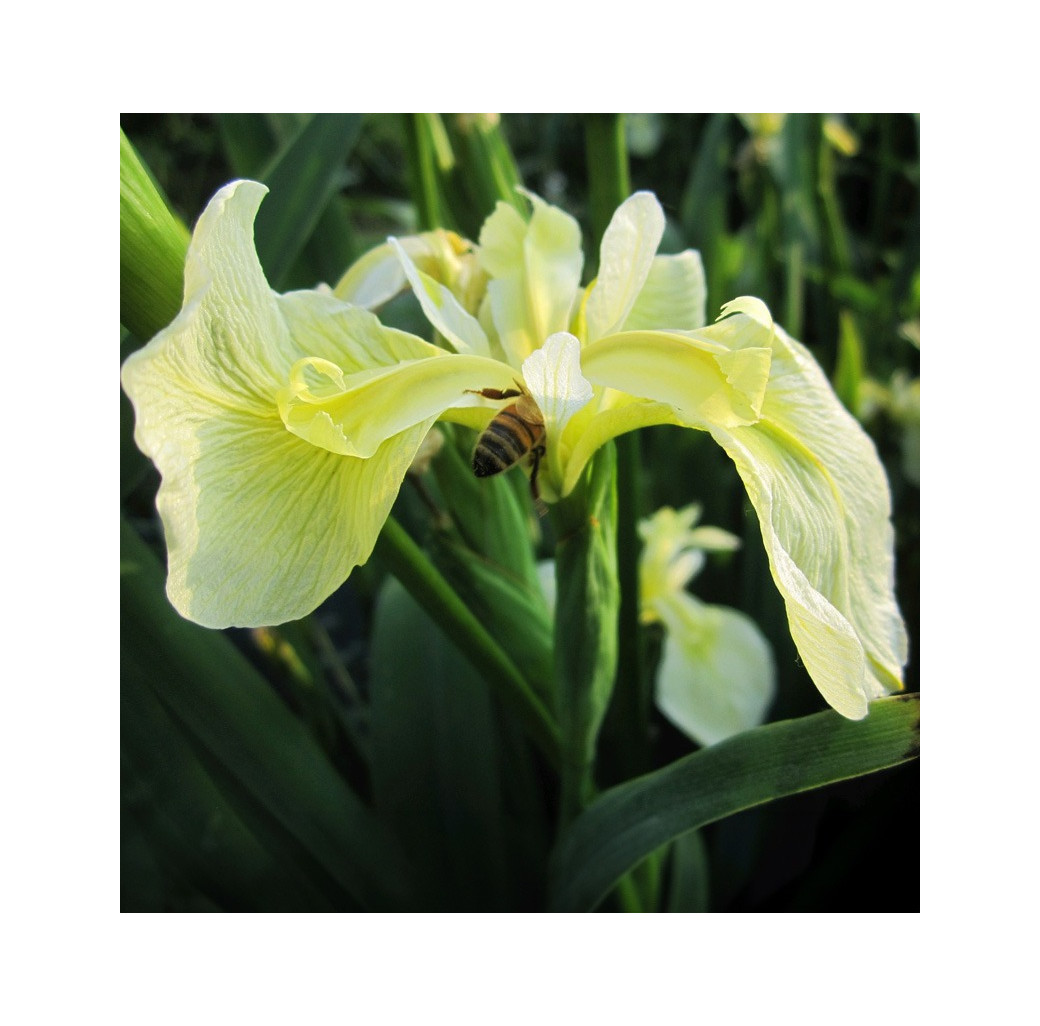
{"x": 818, "y": 215}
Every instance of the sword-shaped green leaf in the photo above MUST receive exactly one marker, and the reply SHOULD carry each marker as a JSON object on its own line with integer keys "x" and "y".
{"x": 302, "y": 178}
{"x": 627, "y": 823}
{"x": 271, "y": 770}
{"x": 437, "y": 768}
{"x": 152, "y": 245}
{"x": 188, "y": 823}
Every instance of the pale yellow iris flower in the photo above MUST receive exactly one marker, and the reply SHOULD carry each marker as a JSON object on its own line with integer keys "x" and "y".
{"x": 716, "y": 675}
{"x": 283, "y": 425}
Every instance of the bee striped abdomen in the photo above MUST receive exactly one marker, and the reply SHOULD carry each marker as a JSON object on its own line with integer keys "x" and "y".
{"x": 505, "y": 441}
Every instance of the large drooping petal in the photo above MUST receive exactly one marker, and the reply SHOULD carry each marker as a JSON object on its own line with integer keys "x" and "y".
{"x": 260, "y": 525}
{"x": 534, "y": 268}
{"x": 822, "y": 498}
{"x": 716, "y": 676}
{"x": 811, "y": 472}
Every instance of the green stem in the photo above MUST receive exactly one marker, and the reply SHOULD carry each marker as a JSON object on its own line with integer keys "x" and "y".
{"x": 421, "y": 133}
{"x": 794, "y": 260}
{"x": 886, "y": 164}
{"x": 585, "y": 657}
{"x": 628, "y": 720}
{"x": 485, "y": 172}
{"x": 332, "y": 663}
{"x": 838, "y": 244}
{"x": 607, "y": 160}
{"x": 410, "y": 565}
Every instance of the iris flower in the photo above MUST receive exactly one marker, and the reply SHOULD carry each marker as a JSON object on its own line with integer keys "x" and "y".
{"x": 716, "y": 676}
{"x": 283, "y": 425}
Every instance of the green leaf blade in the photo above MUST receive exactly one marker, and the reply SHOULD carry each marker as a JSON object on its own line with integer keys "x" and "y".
{"x": 631, "y": 821}
{"x": 436, "y": 760}
{"x": 270, "y": 769}
{"x": 586, "y": 623}
{"x": 152, "y": 245}
{"x": 186, "y": 820}
{"x": 303, "y": 179}
{"x": 410, "y": 565}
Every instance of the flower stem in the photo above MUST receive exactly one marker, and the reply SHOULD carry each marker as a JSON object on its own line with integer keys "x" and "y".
{"x": 410, "y": 565}
{"x": 607, "y": 159}
{"x": 586, "y": 624}
{"x": 426, "y": 150}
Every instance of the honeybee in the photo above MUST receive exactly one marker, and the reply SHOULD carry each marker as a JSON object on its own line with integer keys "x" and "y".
{"x": 514, "y": 432}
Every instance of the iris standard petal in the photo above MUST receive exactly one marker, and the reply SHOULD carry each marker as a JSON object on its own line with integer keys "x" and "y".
{"x": 673, "y": 296}
{"x": 535, "y": 271}
{"x": 626, "y": 254}
{"x": 442, "y": 309}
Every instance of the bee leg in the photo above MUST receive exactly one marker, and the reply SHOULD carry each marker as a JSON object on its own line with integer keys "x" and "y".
{"x": 494, "y": 393}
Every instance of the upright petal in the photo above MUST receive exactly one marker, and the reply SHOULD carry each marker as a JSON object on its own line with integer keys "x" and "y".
{"x": 442, "y": 309}
{"x": 553, "y": 376}
{"x": 378, "y": 275}
{"x": 535, "y": 270}
{"x": 626, "y": 255}
{"x": 673, "y": 295}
